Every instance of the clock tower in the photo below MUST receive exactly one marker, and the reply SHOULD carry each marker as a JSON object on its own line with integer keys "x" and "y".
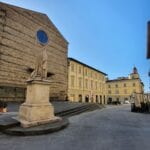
{"x": 134, "y": 74}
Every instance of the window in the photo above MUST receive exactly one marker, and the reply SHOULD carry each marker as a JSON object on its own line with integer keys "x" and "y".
{"x": 134, "y": 90}
{"x": 109, "y": 86}
{"x": 79, "y": 69}
{"x": 125, "y": 91}
{"x": 109, "y": 92}
{"x": 72, "y": 67}
{"x": 100, "y": 87}
{"x": 72, "y": 81}
{"x": 80, "y": 82}
{"x": 100, "y": 77}
{"x": 86, "y": 84}
{"x": 42, "y": 37}
{"x": 133, "y": 84}
{"x": 104, "y": 79}
{"x": 95, "y": 85}
{"x": 116, "y": 85}
{"x": 125, "y": 85}
{"x": 91, "y": 74}
{"x": 91, "y": 84}
{"x": 95, "y": 76}
{"x": 86, "y": 72}
{"x": 117, "y": 91}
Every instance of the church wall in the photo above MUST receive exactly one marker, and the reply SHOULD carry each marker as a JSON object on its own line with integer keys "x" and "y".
{"x": 19, "y": 49}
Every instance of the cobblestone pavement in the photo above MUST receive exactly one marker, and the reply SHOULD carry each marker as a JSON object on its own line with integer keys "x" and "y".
{"x": 112, "y": 128}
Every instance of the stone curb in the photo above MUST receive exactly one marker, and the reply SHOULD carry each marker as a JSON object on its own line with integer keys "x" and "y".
{"x": 38, "y": 130}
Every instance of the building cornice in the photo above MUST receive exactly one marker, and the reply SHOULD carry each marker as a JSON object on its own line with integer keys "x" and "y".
{"x": 77, "y": 61}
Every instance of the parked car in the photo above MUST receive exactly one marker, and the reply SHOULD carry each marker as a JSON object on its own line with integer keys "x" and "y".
{"x": 116, "y": 102}
{"x": 126, "y": 102}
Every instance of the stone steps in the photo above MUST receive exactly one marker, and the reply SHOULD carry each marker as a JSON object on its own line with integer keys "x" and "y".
{"x": 78, "y": 110}
{"x": 8, "y": 121}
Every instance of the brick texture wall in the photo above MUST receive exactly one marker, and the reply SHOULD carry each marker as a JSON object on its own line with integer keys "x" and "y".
{"x": 19, "y": 47}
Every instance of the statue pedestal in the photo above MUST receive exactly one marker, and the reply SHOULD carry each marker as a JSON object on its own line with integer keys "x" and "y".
{"x": 37, "y": 109}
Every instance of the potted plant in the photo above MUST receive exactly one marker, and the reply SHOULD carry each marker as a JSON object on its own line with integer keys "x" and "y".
{"x": 3, "y": 106}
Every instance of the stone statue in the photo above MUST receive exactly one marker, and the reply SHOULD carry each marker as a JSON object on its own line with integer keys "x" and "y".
{"x": 40, "y": 71}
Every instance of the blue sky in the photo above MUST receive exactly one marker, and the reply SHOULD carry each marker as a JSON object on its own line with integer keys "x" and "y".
{"x": 109, "y": 35}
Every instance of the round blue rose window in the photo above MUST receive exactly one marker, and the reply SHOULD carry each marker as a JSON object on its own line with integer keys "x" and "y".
{"x": 42, "y": 37}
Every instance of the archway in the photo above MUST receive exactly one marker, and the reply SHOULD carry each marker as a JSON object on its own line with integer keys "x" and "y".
{"x": 80, "y": 98}
{"x": 96, "y": 98}
{"x": 86, "y": 98}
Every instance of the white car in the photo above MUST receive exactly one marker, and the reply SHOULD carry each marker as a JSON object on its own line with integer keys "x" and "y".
{"x": 126, "y": 102}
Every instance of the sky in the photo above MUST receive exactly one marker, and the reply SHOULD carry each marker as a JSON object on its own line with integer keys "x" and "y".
{"x": 109, "y": 35}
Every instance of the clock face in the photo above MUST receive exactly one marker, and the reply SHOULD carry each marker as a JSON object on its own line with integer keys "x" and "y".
{"x": 42, "y": 37}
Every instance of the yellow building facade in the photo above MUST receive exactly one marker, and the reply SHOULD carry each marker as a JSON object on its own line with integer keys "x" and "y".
{"x": 85, "y": 83}
{"x": 122, "y": 88}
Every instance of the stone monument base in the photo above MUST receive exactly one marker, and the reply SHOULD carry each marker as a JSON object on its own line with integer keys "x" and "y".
{"x": 37, "y": 109}
{"x": 35, "y": 114}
